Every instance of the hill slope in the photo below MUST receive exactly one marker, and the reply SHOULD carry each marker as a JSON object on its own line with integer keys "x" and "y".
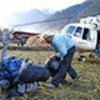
{"x": 92, "y": 9}
{"x": 74, "y": 13}
{"x": 31, "y": 16}
{"x": 59, "y": 19}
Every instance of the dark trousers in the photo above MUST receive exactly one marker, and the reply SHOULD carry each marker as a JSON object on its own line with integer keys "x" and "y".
{"x": 65, "y": 67}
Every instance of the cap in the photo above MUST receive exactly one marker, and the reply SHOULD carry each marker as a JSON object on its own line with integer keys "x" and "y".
{"x": 47, "y": 34}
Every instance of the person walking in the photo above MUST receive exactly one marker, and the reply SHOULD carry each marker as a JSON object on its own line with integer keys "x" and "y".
{"x": 64, "y": 48}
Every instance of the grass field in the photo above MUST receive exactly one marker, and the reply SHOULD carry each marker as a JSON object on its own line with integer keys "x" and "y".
{"x": 87, "y": 88}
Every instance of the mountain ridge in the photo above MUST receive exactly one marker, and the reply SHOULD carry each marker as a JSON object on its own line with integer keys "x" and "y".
{"x": 63, "y": 17}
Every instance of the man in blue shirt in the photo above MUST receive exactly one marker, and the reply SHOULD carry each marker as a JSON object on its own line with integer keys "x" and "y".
{"x": 64, "y": 48}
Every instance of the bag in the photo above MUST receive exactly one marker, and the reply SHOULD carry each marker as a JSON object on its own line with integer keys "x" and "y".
{"x": 4, "y": 78}
{"x": 4, "y": 74}
{"x": 12, "y": 65}
{"x": 33, "y": 73}
{"x": 4, "y": 83}
{"x": 53, "y": 64}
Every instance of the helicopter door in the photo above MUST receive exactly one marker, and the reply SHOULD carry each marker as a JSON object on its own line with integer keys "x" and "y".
{"x": 88, "y": 41}
{"x": 84, "y": 39}
{"x": 98, "y": 40}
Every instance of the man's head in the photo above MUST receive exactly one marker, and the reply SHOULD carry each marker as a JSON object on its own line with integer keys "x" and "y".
{"x": 48, "y": 37}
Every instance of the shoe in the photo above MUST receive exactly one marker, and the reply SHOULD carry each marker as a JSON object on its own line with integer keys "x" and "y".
{"x": 77, "y": 78}
{"x": 50, "y": 85}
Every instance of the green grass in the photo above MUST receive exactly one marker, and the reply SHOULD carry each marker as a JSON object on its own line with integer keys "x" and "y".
{"x": 87, "y": 88}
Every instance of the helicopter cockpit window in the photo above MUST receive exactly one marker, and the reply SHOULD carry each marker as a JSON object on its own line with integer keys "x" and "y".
{"x": 69, "y": 30}
{"x": 87, "y": 35}
{"x": 78, "y": 32}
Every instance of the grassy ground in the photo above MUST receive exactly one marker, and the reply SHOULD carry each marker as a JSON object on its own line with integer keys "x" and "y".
{"x": 87, "y": 88}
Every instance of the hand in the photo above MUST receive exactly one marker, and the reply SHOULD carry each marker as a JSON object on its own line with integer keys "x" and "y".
{"x": 53, "y": 56}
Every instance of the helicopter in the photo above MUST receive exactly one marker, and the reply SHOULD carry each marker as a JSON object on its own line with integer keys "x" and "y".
{"x": 86, "y": 35}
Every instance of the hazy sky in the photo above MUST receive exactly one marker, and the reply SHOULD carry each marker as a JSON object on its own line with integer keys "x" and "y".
{"x": 8, "y": 7}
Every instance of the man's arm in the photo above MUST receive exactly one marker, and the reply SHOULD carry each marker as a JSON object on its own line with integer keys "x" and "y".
{"x": 62, "y": 49}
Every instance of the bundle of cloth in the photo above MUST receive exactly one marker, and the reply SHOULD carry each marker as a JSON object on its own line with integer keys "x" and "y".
{"x": 23, "y": 75}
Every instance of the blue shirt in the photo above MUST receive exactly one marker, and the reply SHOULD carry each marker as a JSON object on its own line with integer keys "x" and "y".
{"x": 61, "y": 43}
